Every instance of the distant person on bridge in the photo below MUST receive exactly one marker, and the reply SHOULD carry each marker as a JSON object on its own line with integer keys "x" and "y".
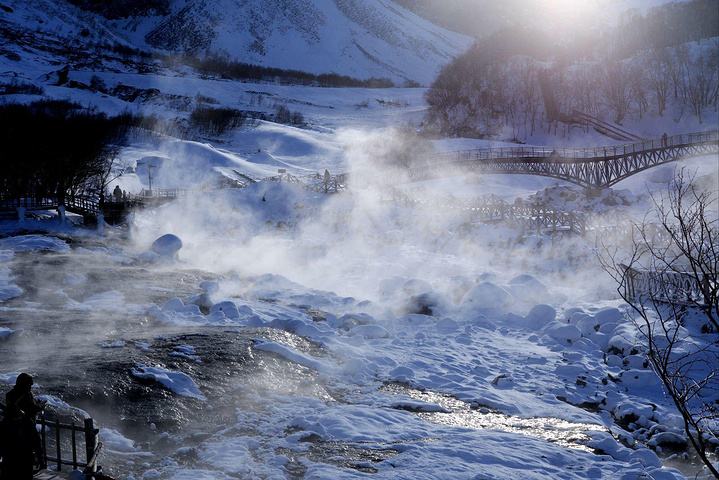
{"x": 665, "y": 140}
{"x": 117, "y": 194}
{"x": 21, "y": 441}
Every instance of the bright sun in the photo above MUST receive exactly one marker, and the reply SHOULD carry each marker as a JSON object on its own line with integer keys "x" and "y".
{"x": 570, "y": 12}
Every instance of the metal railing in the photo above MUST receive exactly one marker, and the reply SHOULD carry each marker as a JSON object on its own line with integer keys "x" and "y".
{"x": 55, "y": 443}
{"x": 592, "y": 153}
{"x": 678, "y": 288}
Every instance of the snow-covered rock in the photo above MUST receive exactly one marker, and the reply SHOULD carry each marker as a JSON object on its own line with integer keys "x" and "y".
{"x": 167, "y": 246}
{"x": 485, "y": 296}
{"x": 539, "y": 316}
{"x": 563, "y": 333}
{"x": 177, "y": 382}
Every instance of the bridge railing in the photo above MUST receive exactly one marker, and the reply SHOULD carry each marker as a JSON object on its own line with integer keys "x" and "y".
{"x": 8, "y": 203}
{"x": 678, "y": 288}
{"x": 545, "y": 153}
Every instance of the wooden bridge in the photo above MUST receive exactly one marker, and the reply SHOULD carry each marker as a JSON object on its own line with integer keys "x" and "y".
{"x": 89, "y": 207}
{"x": 592, "y": 168}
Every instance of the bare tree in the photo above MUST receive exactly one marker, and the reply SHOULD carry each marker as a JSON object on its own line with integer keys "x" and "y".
{"x": 670, "y": 278}
{"x": 615, "y": 86}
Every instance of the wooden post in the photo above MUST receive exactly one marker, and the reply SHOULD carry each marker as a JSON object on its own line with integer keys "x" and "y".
{"x": 74, "y": 448}
{"x": 43, "y": 435}
{"x": 58, "y": 445}
{"x": 90, "y": 443}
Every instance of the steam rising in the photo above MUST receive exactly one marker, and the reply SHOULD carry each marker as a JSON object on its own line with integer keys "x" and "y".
{"x": 351, "y": 242}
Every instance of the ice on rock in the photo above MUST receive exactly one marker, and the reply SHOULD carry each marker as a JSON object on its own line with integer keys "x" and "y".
{"x": 640, "y": 378}
{"x": 428, "y": 303}
{"x": 32, "y": 243}
{"x": 539, "y": 316}
{"x": 485, "y": 296}
{"x": 115, "y": 441}
{"x": 609, "y": 315}
{"x": 619, "y": 344}
{"x": 668, "y": 439}
{"x": 167, "y": 246}
{"x": 5, "y": 332}
{"x": 635, "y": 362}
{"x": 228, "y": 309}
{"x": 369, "y": 331}
{"x": 447, "y": 325}
{"x": 527, "y": 288}
{"x": 563, "y": 333}
{"x": 401, "y": 374}
{"x": 177, "y": 382}
{"x": 646, "y": 457}
{"x": 614, "y": 361}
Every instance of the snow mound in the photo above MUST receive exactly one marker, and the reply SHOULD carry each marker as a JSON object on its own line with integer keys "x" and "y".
{"x": 114, "y": 441}
{"x": 485, "y": 296}
{"x": 34, "y": 243}
{"x": 177, "y": 382}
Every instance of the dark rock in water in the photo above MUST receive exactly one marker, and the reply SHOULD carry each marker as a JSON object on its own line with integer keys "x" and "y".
{"x": 423, "y": 304}
{"x": 167, "y": 245}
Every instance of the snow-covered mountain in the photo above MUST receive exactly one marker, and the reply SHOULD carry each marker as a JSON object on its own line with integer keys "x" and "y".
{"x": 359, "y": 38}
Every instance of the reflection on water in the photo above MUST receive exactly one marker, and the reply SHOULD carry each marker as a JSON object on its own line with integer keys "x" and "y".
{"x": 457, "y": 413}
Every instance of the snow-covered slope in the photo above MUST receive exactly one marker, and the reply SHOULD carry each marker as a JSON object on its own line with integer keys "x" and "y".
{"x": 359, "y": 38}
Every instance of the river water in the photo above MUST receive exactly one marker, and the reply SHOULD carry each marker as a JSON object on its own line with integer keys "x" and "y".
{"x": 81, "y": 326}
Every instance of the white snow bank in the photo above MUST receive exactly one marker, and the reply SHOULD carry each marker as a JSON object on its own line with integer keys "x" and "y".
{"x": 32, "y": 243}
{"x": 116, "y": 442}
{"x": 8, "y": 289}
{"x": 9, "y": 378}
{"x": 177, "y": 382}
{"x": 288, "y": 354}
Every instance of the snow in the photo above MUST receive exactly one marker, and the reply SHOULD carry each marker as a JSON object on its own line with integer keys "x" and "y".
{"x": 114, "y": 441}
{"x": 360, "y": 39}
{"x": 31, "y": 243}
{"x": 177, "y": 382}
{"x": 386, "y": 294}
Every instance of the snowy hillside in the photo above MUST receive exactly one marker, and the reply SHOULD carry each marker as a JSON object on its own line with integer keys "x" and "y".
{"x": 362, "y": 39}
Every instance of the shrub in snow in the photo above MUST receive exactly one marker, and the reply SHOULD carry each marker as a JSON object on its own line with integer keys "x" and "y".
{"x": 167, "y": 246}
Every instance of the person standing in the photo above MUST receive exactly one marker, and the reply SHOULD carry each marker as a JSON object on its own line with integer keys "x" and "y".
{"x": 23, "y": 442}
